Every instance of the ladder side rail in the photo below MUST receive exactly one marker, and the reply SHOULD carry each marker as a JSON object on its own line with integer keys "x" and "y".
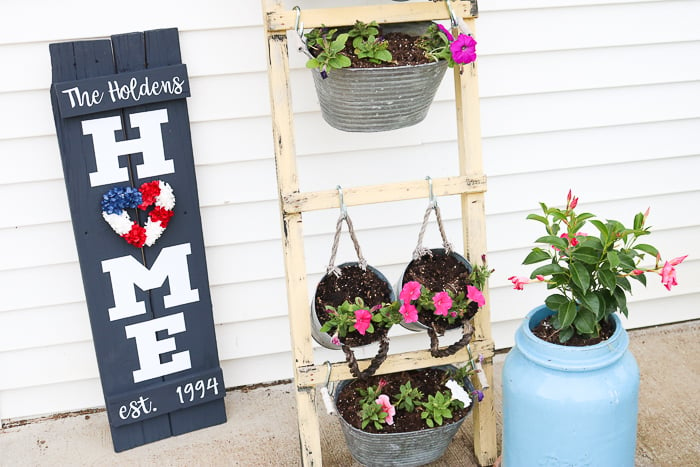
{"x": 292, "y": 237}
{"x": 474, "y": 236}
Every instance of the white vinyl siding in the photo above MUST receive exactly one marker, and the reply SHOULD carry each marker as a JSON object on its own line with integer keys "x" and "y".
{"x": 598, "y": 96}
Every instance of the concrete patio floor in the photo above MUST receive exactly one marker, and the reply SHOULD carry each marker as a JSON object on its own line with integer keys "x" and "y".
{"x": 262, "y": 431}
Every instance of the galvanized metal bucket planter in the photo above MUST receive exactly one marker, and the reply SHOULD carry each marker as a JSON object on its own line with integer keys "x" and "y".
{"x": 410, "y": 449}
{"x": 378, "y": 99}
{"x": 418, "y": 326}
{"x": 399, "y": 449}
{"x": 324, "y": 338}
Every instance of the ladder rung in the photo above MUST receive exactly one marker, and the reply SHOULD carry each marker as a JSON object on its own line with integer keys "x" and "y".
{"x": 328, "y": 199}
{"x": 318, "y": 374}
{"x": 392, "y": 13}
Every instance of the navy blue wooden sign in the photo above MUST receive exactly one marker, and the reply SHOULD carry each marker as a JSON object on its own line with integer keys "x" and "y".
{"x": 124, "y": 136}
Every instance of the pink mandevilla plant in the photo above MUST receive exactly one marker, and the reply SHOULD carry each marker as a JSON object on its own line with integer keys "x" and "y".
{"x": 590, "y": 273}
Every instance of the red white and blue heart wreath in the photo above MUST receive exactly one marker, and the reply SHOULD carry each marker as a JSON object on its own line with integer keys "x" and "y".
{"x": 120, "y": 198}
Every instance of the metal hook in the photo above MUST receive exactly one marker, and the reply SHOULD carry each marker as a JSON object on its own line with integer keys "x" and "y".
{"x": 453, "y": 18}
{"x": 431, "y": 195}
{"x": 328, "y": 376}
{"x": 299, "y": 30}
{"x": 298, "y": 25}
{"x": 343, "y": 209}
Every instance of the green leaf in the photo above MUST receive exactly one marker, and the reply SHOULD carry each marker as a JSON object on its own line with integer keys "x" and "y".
{"x": 565, "y": 334}
{"x": 384, "y": 55}
{"x": 340, "y": 61}
{"x": 607, "y": 278}
{"x": 554, "y": 241}
{"x": 591, "y": 303}
{"x": 591, "y": 242}
{"x": 602, "y": 228}
{"x": 312, "y": 63}
{"x": 624, "y": 283}
{"x": 585, "y": 322}
{"x": 621, "y": 300}
{"x": 567, "y": 314}
{"x": 584, "y": 216}
{"x": 626, "y": 261}
{"x": 613, "y": 259}
{"x": 586, "y": 254}
{"x": 603, "y": 298}
{"x": 580, "y": 275}
{"x": 546, "y": 270}
{"x": 556, "y": 301}
{"x": 641, "y": 278}
{"x": 536, "y": 255}
{"x": 539, "y": 218}
{"x": 647, "y": 249}
{"x": 339, "y": 43}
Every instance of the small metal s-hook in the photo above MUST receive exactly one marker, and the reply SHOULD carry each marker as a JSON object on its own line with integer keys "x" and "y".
{"x": 431, "y": 196}
{"x": 326, "y": 392}
{"x": 298, "y": 25}
{"x": 343, "y": 208}
{"x": 299, "y": 30}
{"x": 453, "y": 18}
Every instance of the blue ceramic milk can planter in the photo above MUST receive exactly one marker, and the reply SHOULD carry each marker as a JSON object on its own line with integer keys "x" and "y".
{"x": 569, "y": 406}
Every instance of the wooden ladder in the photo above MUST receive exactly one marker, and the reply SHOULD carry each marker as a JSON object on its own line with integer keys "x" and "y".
{"x": 470, "y": 184}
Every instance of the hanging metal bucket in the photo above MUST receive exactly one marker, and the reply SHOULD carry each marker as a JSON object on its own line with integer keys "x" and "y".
{"x": 418, "y": 326}
{"x": 324, "y": 338}
{"x": 378, "y": 99}
{"x": 408, "y": 449}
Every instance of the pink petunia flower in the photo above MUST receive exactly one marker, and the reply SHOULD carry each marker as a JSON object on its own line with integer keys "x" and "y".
{"x": 518, "y": 282}
{"x": 463, "y": 49}
{"x": 410, "y": 291}
{"x": 409, "y": 313}
{"x": 363, "y": 319}
{"x": 446, "y": 31}
{"x": 442, "y": 302}
{"x": 475, "y": 295}
{"x": 387, "y": 408}
{"x": 668, "y": 275}
{"x": 335, "y": 340}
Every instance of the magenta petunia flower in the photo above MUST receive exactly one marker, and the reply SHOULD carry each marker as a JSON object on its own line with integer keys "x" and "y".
{"x": 410, "y": 291}
{"x": 409, "y": 313}
{"x": 446, "y": 31}
{"x": 363, "y": 319}
{"x": 463, "y": 49}
{"x": 475, "y": 295}
{"x": 442, "y": 302}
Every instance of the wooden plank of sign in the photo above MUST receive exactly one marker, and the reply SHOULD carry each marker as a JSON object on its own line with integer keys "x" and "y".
{"x": 160, "y": 48}
{"x": 118, "y": 92}
{"x": 72, "y": 61}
